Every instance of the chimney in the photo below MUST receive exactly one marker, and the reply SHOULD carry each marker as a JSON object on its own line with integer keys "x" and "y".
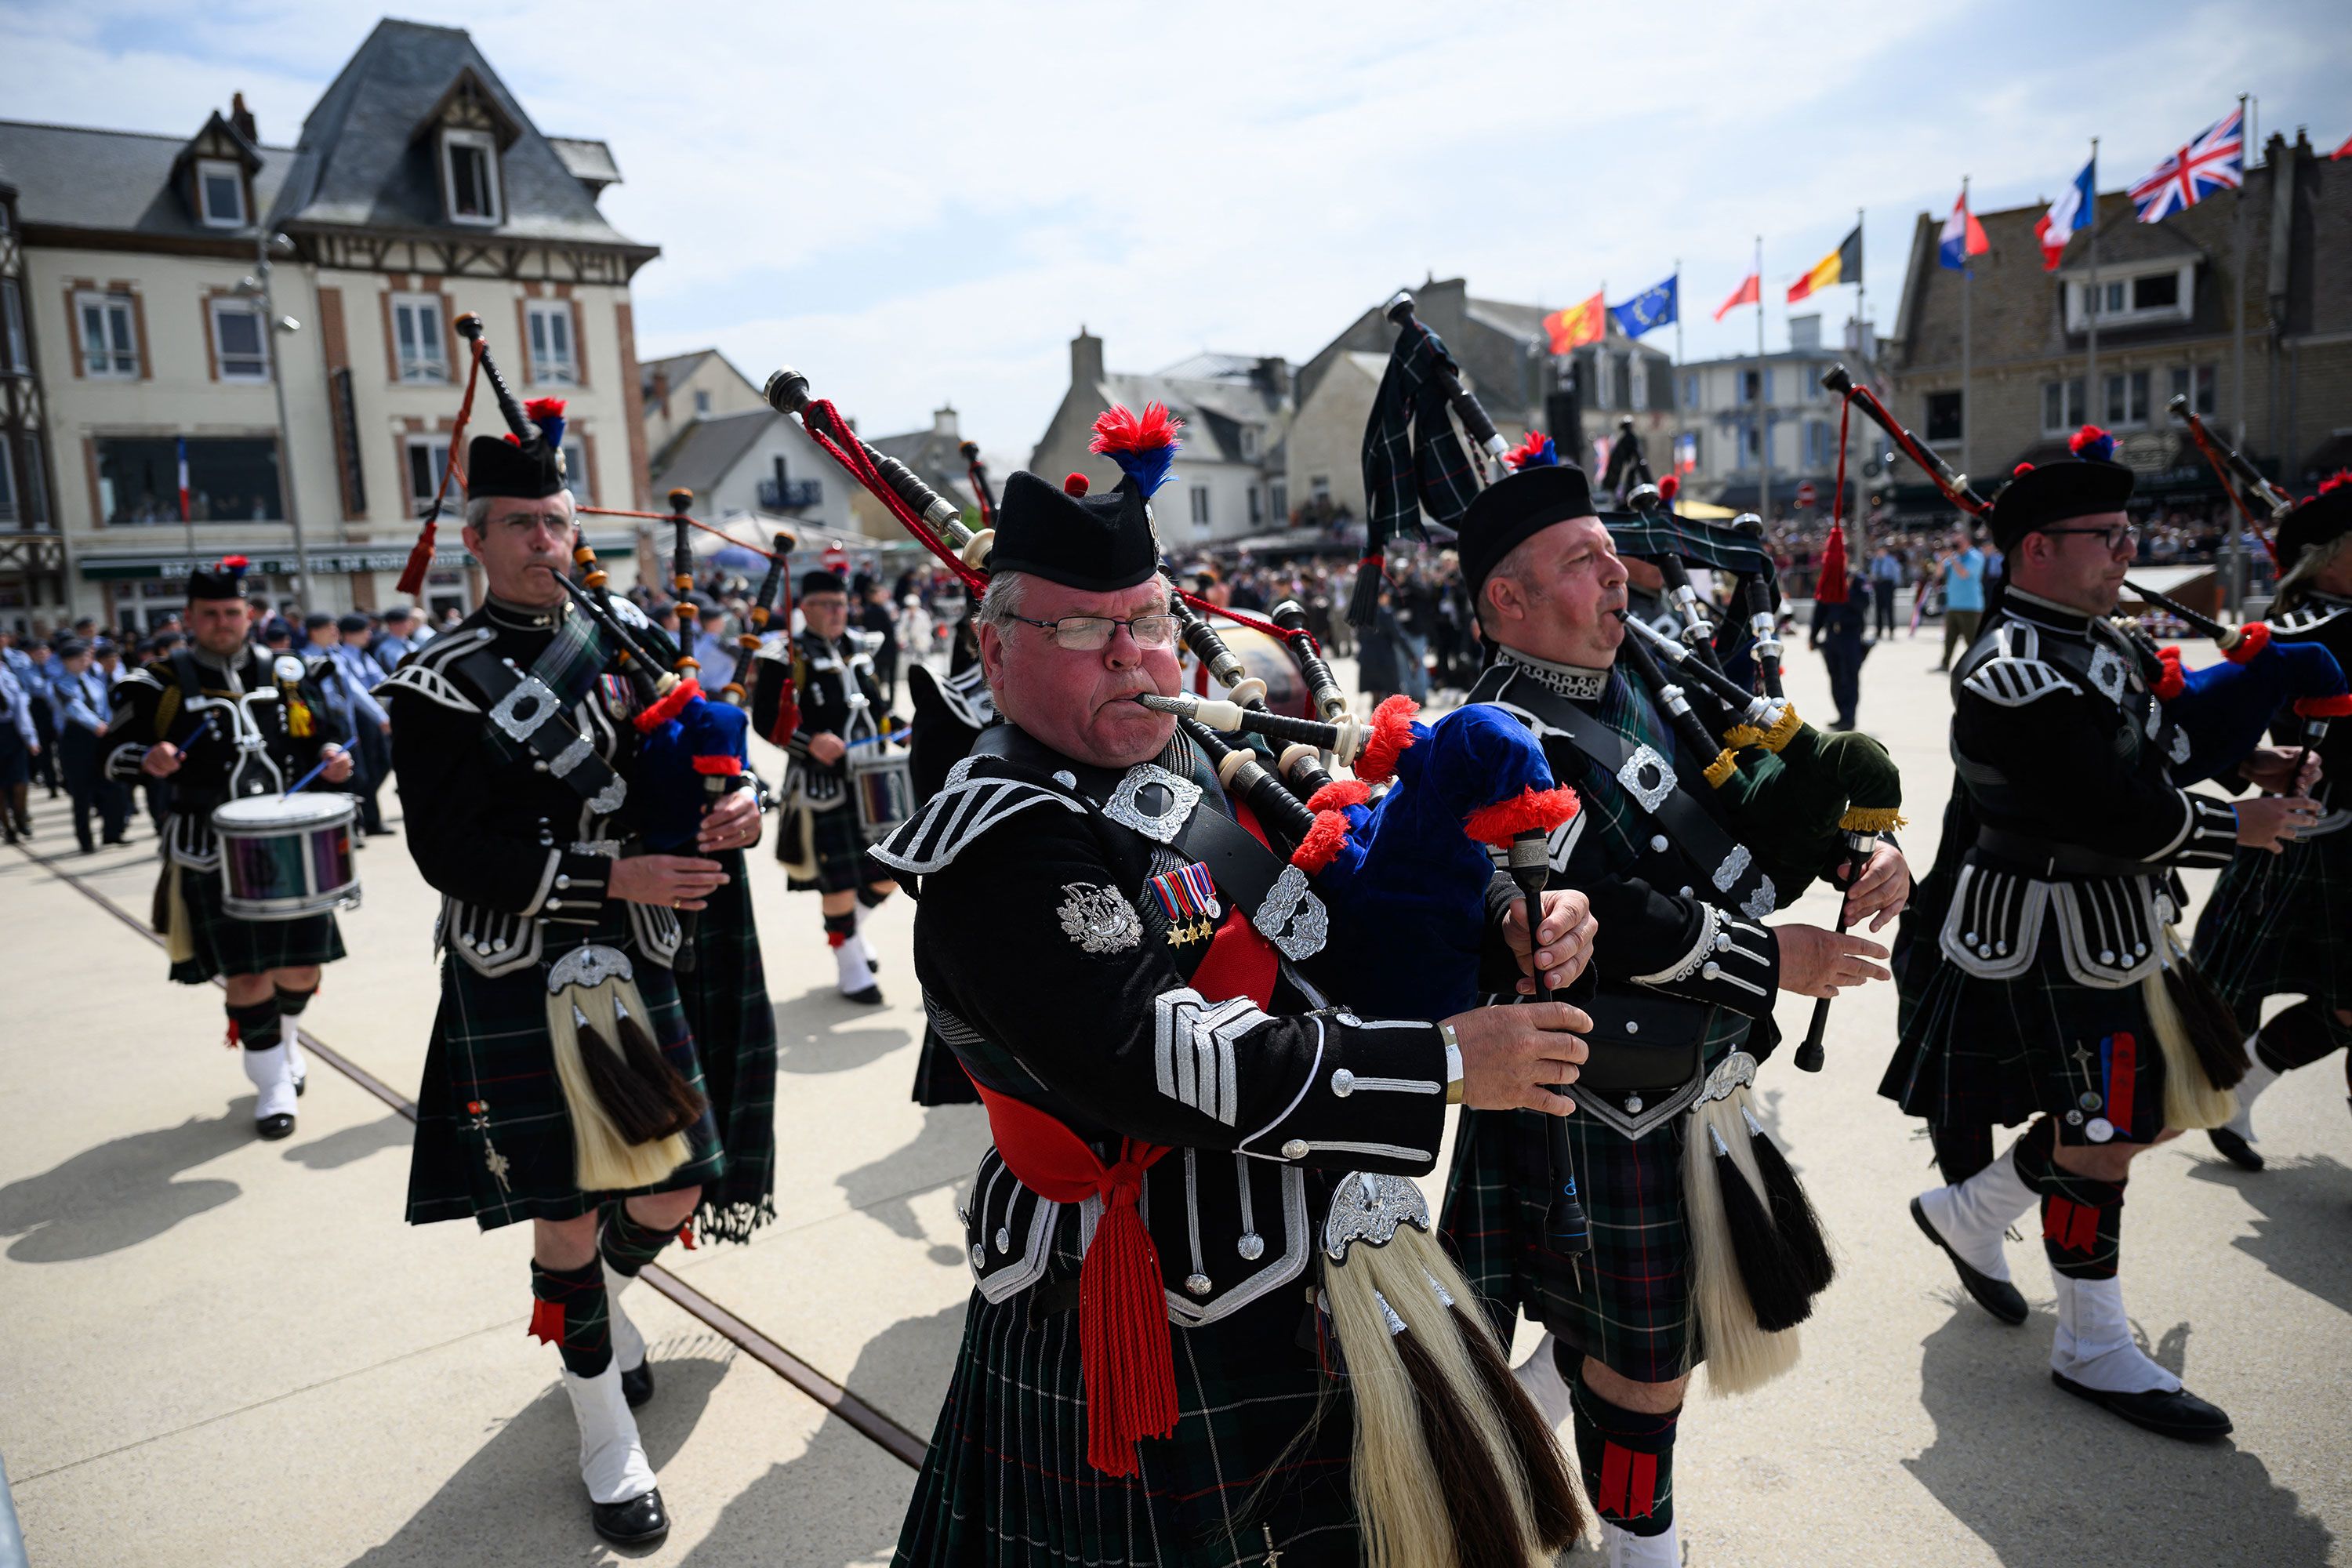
{"x": 1273, "y": 377}
{"x": 240, "y": 119}
{"x": 661, "y": 391}
{"x": 943, "y": 421}
{"x": 1085, "y": 361}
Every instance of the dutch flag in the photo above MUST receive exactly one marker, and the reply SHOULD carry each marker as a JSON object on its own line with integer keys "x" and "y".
{"x": 2068, "y": 215}
{"x": 1963, "y": 236}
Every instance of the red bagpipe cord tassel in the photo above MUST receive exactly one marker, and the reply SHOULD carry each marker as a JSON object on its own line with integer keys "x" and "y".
{"x": 547, "y": 1322}
{"x": 1832, "y": 588}
{"x": 686, "y": 1236}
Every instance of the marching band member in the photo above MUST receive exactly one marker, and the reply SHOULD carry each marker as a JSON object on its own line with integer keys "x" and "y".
{"x": 2276, "y": 923}
{"x": 818, "y": 839}
{"x": 1171, "y": 1098}
{"x": 222, "y": 718}
{"x": 562, "y": 1084}
{"x": 1681, "y": 958}
{"x": 2057, "y": 990}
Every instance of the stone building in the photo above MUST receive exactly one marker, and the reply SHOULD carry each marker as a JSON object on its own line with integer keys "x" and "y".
{"x": 1229, "y": 476}
{"x": 1731, "y": 412}
{"x": 417, "y": 190}
{"x": 2170, "y": 294}
{"x": 677, "y": 390}
{"x": 32, "y": 555}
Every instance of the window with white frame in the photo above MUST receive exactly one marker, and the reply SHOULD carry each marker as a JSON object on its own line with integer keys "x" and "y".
{"x": 2196, "y": 383}
{"x": 1690, "y": 391}
{"x": 1638, "y": 394}
{"x": 701, "y": 403}
{"x": 2125, "y": 402}
{"x": 552, "y": 356}
{"x": 576, "y": 477}
{"x": 240, "y": 347}
{"x": 1200, "y": 506}
{"x": 2062, "y": 410}
{"x": 418, "y": 334}
{"x": 427, "y": 456}
{"x": 109, "y": 343}
{"x": 470, "y": 176}
{"x": 1601, "y": 389}
{"x": 1249, "y": 443}
{"x": 2165, "y": 293}
{"x": 13, "y": 355}
{"x": 220, "y": 193}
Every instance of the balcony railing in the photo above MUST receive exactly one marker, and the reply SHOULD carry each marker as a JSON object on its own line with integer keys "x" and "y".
{"x": 789, "y": 495}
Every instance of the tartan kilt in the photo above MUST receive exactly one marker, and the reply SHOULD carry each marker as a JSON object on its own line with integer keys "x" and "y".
{"x": 1627, "y": 1302}
{"x": 839, "y": 846}
{"x": 490, "y": 1047}
{"x": 1978, "y": 1052}
{"x": 2280, "y": 925}
{"x": 725, "y": 999}
{"x": 1007, "y": 1483}
{"x": 940, "y": 1079}
{"x": 226, "y": 945}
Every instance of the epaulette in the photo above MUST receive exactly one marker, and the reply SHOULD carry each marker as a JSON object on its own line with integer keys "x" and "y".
{"x": 954, "y": 819}
{"x": 2015, "y": 673}
{"x": 423, "y": 673}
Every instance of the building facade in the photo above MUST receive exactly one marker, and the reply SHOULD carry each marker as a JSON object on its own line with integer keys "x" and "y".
{"x": 1743, "y": 421}
{"x": 172, "y": 282}
{"x": 1230, "y": 479}
{"x": 679, "y": 389}
{"x": 759, "y": 465}
{"x": 2170, "y": 298}
{"x": 32, "y": 553}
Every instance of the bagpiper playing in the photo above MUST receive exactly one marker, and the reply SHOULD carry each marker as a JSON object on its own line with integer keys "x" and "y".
{"x": 1682, "y": 1017}
{"x": 224, "y": 721}
{"x": 819, "y": 838}
{"x": 562, "y": 1084}
{"x": 1182, "y": 1120}
{"x": 2280, "y": 923}
{"x": 2058, "y": 990}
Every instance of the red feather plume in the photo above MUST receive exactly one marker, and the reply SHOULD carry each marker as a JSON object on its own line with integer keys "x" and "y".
{"x": 1530, "y": 450}
{"x": 2340, "y": 476}
{"x": 541, "y": 408}
{"x": 234, "y": 563}
{"x": 1118, "y": 429}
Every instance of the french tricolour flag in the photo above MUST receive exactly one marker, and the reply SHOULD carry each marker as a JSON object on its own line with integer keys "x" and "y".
{"x": 1963, "y": 236}
{"x": 183, "y": 478}
{"x": 2070, "y": 214}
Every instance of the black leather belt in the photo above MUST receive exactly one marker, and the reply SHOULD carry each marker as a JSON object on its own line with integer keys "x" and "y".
{"x": 2047, "y": 857}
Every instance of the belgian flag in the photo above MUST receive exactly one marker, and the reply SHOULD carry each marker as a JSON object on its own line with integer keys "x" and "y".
{"x": 1843, "y": 265}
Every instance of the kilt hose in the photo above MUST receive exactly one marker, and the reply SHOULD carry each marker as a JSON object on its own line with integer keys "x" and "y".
{"x": 493, "y": 1137}
{"x": 725, "y": 999}
{"x": 2280, "y": 925}
{"x": 1981, "y": 1052}
{"x": 1627, "y": 1302}
{"x": 1262, "y": 1444}
{"x": 220, "y": 943}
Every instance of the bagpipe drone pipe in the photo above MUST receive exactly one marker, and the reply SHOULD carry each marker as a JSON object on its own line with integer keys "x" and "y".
{"x": 1453, "y": 1463}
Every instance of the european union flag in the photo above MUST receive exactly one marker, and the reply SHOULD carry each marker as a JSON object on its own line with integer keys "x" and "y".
{"x": 1652, "y": 307}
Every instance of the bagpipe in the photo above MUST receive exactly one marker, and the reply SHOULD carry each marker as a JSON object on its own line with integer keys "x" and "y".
{"x": 1413, "y": 462}
{"x": 2240, "y": 478}
{"x": 1453, "y": 1463}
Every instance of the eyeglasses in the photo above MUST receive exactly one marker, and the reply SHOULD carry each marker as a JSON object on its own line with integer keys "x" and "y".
{"x": 1088, "y": 634}
{"x": 2113, "y": 538}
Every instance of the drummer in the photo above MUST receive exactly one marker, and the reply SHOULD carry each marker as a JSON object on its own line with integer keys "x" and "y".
{"x": 819, "y": 842}
{"x": 222, "y": 718}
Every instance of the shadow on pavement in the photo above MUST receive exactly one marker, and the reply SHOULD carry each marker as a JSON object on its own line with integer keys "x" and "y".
{"x": 353, "y": 1144}
{"x": 2292, "y": 1198}
{"x": 519, "y": 1500}
{"x": 2040, "y": 1477}
{"x": 947, "y": 1150}
{"x": 810, "y": 1038}
{"x": 812, "y": 1510}
{"x": 121, "y": 1192}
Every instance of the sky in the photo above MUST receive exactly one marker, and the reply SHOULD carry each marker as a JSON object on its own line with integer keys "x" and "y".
{"x": 919, "y": 203}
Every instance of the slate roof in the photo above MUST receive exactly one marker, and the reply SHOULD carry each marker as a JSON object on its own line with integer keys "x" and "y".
{"x": 70, "y": 177}
{"x": 362, "y": 160}
{"x": 937, "y": 460}
{"x": 706, "y": 450}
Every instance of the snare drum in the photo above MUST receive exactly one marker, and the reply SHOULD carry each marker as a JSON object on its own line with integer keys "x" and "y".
{"x": 883, "y": 784}
{"x": 282, "y": 859}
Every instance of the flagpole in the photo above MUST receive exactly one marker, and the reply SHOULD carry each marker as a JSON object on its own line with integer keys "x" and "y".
{"x": 1678, "y": 326}
{"x": 1763, "y": 418}
{"x": 2091, "y": 298}
{"x": 1967, "y": 341}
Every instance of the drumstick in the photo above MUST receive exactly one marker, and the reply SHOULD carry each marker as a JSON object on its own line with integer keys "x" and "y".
{"x": 306, "y": 778}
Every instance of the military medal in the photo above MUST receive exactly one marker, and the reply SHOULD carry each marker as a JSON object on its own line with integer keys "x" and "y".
{"x": 1188, "y": 897}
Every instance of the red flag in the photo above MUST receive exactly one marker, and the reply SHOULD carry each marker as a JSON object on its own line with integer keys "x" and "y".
{"x": 2343, "y": 152}
{"x": 1749, "y": 293}
{"x": 1578, "y": 325}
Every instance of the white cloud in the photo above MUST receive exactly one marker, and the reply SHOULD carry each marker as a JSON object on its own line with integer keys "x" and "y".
{"x": 1242, "y": 177}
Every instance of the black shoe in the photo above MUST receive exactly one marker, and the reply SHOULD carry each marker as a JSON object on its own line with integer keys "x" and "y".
{"x": 300, "y": 1084}
{"x": 2236, "y": 1149}
{"x": 2177, "y": 1413}
{"x": 117, "y": 840}
{"x": 1999, "y": 1297}
{"x": 640, "y": 1522}
{"x": 273, "y": 1128}
{"x": 869, "y": 997}
{"x": 638, "y": 1383}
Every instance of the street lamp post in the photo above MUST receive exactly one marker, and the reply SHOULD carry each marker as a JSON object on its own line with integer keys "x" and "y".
{"x": 272, "y": 324}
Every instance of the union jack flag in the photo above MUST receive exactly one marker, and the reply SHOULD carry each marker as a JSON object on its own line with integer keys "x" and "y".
{"x": 2214, "y": 162}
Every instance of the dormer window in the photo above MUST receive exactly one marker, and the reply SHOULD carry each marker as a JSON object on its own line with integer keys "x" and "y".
{"x": 470, "y": 176}
{"x": 220, "y": 193}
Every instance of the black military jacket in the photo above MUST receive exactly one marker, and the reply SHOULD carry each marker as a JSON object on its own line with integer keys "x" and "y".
{"x": 2328, "y": 622}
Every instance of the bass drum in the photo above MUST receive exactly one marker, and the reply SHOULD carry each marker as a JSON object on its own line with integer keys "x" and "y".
{"x": 282, "y": 859}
